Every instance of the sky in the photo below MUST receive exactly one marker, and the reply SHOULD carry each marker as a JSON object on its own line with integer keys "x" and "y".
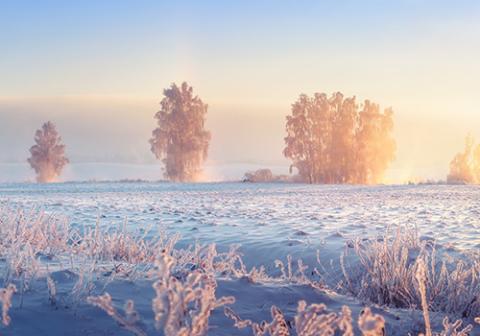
{"x": 98, "y": 68}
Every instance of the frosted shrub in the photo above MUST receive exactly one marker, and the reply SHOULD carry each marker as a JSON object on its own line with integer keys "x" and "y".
{"x": 52, "y": 291}
{"x": 313, "y": 320}
{"x": 259, "y": 176}
{"x": 421, "y": 276}
{"x": 397, "y": 270}
{"x": 27, "y": 238}
{"x": 452, "y": 329}
{"x": 385, "y": 274}
{"x": 184, "y": 298}
{"x": 184, "y": 307}
{"x": 119, "y": 245}
{"x": 45, "y": 235}
{"x": 127, "y": 321}
{"x": 402, "y": 271}
{"x": 371, "y": 324}
{"x": 277, "y": 327}
{"x": 6, "y": 299}
{"x": 227, "y": 264}
{"x": 292, "y": 274}
{"x": 84, "y": 285}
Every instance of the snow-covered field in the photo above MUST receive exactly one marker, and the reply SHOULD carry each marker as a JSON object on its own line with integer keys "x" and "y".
{"x": 337, "y": 231}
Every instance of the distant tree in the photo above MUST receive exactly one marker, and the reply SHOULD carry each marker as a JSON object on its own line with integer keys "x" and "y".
{"x": 265, "y": 175}
{"x": 48, "y": 154}
{"x": 465, "y": 166}
{"x": 180, "y": 140}
{"x": 308, "y": 137}
{"x": 375, "y": 148}
{"x": 343, "y": 140}
{"x": 332, "y": 140}
{"x": 259, "y": 175}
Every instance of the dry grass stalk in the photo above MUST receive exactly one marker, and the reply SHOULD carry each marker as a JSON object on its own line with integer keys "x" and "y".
{"x": 184, "y": 307}
{"x": 386, "y": 274}
{"x": 421, "y": 276}
{"x": 313, "y": 320}
{"x": 391, "y": 271}
{"x": 127, "y": 322}
{"x": 6, "y": 299}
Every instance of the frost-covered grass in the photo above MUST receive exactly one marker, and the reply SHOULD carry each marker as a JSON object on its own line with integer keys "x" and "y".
{"x": 392, "y": 270}
{"x": 112, "y": 280}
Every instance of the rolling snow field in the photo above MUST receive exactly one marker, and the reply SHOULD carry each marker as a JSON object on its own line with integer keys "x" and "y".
{"x": 214, "y": 258}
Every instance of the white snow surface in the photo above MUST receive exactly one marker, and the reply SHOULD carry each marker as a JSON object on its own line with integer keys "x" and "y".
{"x": 269, "y": 221}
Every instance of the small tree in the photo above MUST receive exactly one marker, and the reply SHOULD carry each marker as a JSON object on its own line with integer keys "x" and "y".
{"x": 48, "y": 154}
{"x": 180, "y": 140}
{"x": 259, "y": 175}
{"x": 465, "y": 167}
{"x": 333, "y": 140}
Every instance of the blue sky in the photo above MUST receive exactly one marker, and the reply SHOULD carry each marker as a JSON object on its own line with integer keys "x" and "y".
{"x": 247, "y": 59}
{"x": 136, "y": 47}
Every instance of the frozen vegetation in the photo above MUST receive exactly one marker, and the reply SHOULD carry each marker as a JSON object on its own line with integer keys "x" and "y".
{"x": 181, "y": 140}
{"x": 333, "y": 139}
{"x": 47, "y": 156}
{"x": 238, "y": 259}
{"x": 465, "y": 166}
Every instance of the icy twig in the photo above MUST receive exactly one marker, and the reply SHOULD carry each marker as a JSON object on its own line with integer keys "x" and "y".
{"x": 422, "y": 278}
{"x": 6, "y": 299}
{"x": 127, "y": 322}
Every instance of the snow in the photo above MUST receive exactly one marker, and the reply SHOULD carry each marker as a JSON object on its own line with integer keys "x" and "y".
{"x": 268, "y": 221}
{"x": 108, "y": 171}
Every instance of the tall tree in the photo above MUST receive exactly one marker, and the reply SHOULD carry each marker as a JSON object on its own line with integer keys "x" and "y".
{"x": 48, "y": 154}
{"x": 343, "y": 139}
{"x": 375, "y": 147}
{"x": 332, "y": 140}
{"x": 181, "y": 140}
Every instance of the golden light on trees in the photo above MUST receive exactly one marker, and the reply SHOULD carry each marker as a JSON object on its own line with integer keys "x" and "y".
{"x": 335, "y": 140}
{"x": 181, "y": 140}
{"x": 48, "y": 154}
{"x": 465, "y": 166}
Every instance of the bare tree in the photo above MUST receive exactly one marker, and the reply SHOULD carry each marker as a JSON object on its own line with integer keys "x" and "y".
{"x": 180, "y": 140}
{"x": 334, "y": 140}
{"x": 48, "y": 154}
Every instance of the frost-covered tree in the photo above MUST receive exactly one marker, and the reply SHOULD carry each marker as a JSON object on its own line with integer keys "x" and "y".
{"x": 48, "y": 154}
{"x": 465, "y": 166}
{"x": 375, "y": 147}
{"x": 334, "y": 140}
{"x": 259, "y": 175}
{"x": 181, "y": 140}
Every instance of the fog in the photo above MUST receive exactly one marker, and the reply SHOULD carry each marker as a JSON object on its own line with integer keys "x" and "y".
{"x": 99, "y": 131}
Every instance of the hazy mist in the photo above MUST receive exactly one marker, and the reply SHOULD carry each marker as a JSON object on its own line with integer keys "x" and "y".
{"x": 116, "y": 130}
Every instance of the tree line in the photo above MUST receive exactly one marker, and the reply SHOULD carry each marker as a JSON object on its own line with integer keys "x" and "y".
{"x": 336, "y": 140}
{"x": 329, "y": 139}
